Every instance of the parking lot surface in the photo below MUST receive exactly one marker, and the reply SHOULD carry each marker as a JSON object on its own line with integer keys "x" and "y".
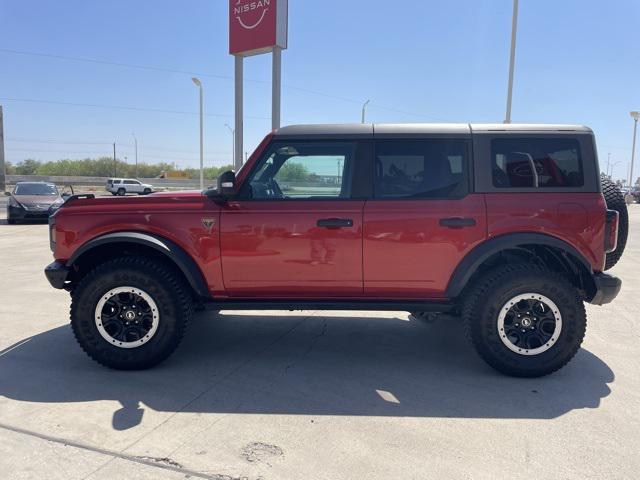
{"x": 318, "y": 395}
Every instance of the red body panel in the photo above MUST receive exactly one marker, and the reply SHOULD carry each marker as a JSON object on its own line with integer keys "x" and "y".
{"x": 576, "y": 218}
{"x": 177, "y": 217}
{"x": 394, "y": 249}
{"x": 276, "y": 248}
{"x": 407, "y": 253}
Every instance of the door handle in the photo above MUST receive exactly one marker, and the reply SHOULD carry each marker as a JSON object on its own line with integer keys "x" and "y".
{"x": 457, "y": 222}
{"x": 335, "y": 222}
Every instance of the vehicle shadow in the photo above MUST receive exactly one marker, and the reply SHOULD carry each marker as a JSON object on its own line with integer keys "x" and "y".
{"x": 320, "y": 365}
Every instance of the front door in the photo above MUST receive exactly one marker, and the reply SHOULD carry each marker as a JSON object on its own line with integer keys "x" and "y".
{"x": 294, "y": 230}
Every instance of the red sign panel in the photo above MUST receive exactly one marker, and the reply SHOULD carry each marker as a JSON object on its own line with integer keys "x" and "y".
{"x": 256, "y": 26}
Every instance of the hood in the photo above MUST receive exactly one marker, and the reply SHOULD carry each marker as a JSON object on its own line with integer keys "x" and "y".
{"x": 29, "y": 200}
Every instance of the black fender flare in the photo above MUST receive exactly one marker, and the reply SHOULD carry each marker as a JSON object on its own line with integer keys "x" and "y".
{"x": 476, "y": 257}
{"x": 181, "y": 259}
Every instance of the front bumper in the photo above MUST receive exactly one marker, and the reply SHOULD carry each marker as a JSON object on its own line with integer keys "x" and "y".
{"x": 19, "y": 213}
{"x": 607, "y": 288}
{"x": 57, "y": 274}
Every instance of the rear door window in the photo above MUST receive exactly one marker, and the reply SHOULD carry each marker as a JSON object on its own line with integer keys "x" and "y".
{"x": 536, "y": 163}
{"x": 429, "y": 168}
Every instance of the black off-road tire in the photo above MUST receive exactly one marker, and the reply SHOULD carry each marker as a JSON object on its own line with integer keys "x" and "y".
{"x": 615, "y": 201}
{"x": 160, "y": 282}
{"x": 492, "y": 291}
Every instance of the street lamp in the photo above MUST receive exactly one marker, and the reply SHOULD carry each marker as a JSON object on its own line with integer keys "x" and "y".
{"x": 135, "y": 141}
{"x": 364, "y": 109}
{"x": 635, "y": 116}
{"x": 613, "y": 165}
{"x": 233, "y": 142}
{"x": 198, "y": 84}
{"x": 512, "y": 59}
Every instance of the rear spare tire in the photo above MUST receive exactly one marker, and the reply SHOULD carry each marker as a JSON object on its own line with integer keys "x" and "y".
{"x": 615, "y": 201}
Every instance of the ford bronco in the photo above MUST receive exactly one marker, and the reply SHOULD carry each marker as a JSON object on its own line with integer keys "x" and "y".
{"x": 508, "y": 226}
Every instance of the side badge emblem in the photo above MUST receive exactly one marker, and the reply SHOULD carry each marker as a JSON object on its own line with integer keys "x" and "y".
{"x": 208, "y": 223}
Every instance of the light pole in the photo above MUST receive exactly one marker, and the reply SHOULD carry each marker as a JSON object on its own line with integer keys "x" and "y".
{"x": 613, "y": 165}
{"x": 635, "y": 116}
{"x": 198, "y": 84}
{"x": 135, "y": 141}
{"x": 233, "y": 143}
{"x": 512, "y": 59}
{"x": 364, "y": 109}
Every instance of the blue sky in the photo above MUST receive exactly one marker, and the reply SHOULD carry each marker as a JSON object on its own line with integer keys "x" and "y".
{"x": 418, "y": 61}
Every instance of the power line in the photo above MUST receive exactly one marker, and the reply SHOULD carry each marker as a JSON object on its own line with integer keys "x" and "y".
{"x": 121, "y": 107}
{"x": 210, "y": 75}
{"x": 76, "y": 142}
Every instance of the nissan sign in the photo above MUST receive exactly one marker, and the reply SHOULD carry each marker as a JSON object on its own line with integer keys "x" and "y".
{"x": 257, "y": 26}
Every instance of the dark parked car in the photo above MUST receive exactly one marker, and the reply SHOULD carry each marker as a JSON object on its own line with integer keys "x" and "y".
{"x": 33, "y": 200}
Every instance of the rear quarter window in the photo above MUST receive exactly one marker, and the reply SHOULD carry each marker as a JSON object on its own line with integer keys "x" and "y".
{"x": 536, "y": 163}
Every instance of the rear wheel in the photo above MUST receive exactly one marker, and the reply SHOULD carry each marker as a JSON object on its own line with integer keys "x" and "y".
{"x": 130, "y": 313}
{"x": 121, "y": 192}
{"x": 615, "y": 201}
{"x": 524, "y": 320}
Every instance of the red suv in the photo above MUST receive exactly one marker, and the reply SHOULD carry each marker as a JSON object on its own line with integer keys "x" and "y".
{"x": 505, "y": 225}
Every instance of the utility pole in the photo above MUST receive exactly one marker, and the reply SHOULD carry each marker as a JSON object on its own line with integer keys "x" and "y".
{"x": 135, "y": 140}
{"x": 3, "y": 178}
{"x": 364, "y": 110}
{"x": 512, "y": 59}
{"x": 635, "y": 116}
{"x": 233, "y": 143}
{"x": 115, "y": 162}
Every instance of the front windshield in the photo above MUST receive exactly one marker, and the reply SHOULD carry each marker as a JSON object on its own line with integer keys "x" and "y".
{"x": 35, "y": 189}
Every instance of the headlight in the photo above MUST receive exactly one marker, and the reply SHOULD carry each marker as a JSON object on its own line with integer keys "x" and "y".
{"x": 14, "y": 203}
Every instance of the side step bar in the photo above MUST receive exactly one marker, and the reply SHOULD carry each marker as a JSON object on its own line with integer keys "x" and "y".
{"x": 371, "y": 305}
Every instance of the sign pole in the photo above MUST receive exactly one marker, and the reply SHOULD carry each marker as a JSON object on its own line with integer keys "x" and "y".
{"x": 239, "y": 125}
{"x": 3, "y": 178}
{"x": 276, "y": 88}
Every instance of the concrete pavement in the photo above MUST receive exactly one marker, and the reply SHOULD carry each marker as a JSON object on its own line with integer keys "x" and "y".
{"x": 319, "y": 395}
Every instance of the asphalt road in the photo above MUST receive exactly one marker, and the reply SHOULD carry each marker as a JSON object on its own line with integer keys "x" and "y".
{"x": 317, "y": 395}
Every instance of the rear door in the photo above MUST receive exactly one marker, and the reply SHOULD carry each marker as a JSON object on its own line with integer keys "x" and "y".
{"x": 296, "y": 229}
{"x": 422, "y": 219}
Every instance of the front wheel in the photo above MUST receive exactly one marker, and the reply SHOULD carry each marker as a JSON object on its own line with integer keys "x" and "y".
{"x": 130, "y": 313}
{"x": 524, "y": 320}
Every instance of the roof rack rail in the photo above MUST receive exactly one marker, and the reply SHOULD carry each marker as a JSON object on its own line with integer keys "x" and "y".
{"x": 78, "y": 196}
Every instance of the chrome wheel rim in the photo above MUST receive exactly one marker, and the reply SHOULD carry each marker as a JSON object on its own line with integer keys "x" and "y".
{"x": 127, "y": 317}
{"x": 529, "y": 324}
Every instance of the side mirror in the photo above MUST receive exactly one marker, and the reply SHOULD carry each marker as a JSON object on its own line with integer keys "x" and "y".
{"x": 227, "y": 183}
{"x": 7, "y": 194}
